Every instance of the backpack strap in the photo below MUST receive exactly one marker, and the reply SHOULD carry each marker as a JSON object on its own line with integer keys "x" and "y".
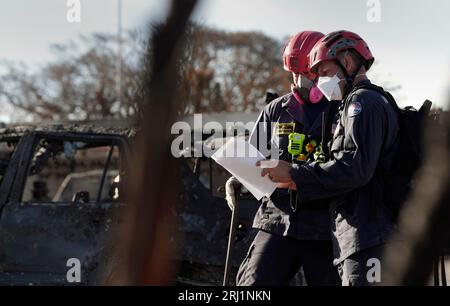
{"x": 387, "y": 149}
{"x": 387, "y": 96}
{"x": 381, "y": 91}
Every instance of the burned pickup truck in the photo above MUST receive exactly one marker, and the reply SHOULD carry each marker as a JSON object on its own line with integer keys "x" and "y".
{"x": 60, "y": 203}
{"x": 59, "y": 198}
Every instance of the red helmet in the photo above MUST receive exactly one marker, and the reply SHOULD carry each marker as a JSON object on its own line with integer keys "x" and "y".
{"x": 296, "y": 52}
{"x": 333, "y": 43}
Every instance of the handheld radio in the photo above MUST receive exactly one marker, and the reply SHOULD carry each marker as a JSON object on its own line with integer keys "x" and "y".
{"x": 295, "y": 145}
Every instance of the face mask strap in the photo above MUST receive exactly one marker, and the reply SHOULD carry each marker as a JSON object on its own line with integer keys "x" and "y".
{"x": 348, "y": 79}
{"x": 302, "y": 93}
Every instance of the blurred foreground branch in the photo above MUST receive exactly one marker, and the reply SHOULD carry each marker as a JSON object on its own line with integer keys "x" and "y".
{"x": 152, "y": 188}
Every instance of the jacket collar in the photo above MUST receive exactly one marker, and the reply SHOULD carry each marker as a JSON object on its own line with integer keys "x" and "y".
{"x": 295, "y": 110}
{"x": 297, "y": 113}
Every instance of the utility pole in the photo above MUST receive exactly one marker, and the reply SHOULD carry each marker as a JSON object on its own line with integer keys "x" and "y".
{"x": 119, "y": 52}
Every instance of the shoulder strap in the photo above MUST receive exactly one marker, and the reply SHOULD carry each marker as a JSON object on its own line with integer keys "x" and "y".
{"x": 380, "y": 90}
{"x": 387, "y": 148}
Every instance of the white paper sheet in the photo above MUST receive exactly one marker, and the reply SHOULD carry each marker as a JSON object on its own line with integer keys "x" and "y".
{"x": 239, "y": 158}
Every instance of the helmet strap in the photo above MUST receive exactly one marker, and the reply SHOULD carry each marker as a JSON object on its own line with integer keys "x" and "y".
{"x": 349, "y": 79}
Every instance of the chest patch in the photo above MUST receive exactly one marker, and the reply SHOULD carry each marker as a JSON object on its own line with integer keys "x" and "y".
{"x": 284, "y": 128}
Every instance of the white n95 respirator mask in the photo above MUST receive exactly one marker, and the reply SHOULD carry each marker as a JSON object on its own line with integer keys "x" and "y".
{"x": 330, "y": 88}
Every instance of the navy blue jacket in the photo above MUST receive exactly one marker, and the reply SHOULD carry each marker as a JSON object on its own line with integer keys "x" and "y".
{"x": 279, "y": 118}
{"x": 367, "y": 129}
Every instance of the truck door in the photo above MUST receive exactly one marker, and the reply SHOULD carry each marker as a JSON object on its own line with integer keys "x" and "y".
{"x": 63, "y": 208}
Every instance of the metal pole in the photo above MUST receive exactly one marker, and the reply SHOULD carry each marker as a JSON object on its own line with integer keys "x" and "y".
{"x": 231, "y": 240}
{"x": 232, "y": 196}
{"x": 119, "y": 52}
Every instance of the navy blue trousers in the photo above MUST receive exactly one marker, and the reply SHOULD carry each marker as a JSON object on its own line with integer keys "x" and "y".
{"x": 273, "y": 260}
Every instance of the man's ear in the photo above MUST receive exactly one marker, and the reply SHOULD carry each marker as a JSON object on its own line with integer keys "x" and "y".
{"x": 347, "y": 61}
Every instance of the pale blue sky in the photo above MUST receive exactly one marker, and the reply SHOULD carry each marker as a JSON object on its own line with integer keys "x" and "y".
{"x": 411, "y": 43}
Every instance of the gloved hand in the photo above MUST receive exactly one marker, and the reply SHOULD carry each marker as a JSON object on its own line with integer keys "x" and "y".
{"x": 232, "y": 188}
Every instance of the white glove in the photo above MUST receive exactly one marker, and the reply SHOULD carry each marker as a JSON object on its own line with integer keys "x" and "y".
{"x": 232, "y": 188}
